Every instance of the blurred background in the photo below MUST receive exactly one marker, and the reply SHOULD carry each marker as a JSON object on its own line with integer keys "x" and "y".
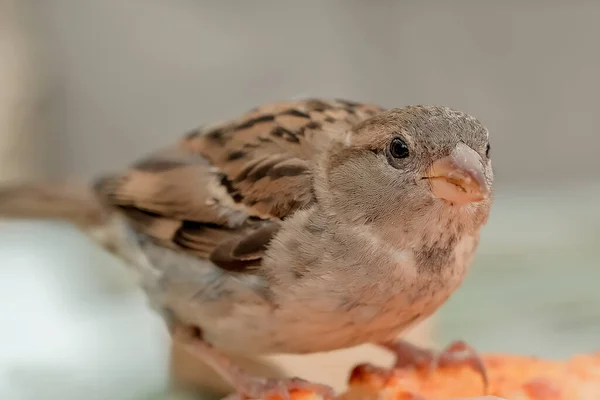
{"x": 88, "y": 86}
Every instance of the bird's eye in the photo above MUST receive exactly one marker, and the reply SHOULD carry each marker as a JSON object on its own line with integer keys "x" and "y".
{"x": 487, "y": 151}
{"x": 398, "y": 148}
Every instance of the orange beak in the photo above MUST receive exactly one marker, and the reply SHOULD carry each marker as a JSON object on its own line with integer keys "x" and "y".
{"x": 459, "y": 178}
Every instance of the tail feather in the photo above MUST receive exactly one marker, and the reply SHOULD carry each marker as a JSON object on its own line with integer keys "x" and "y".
{"x": 64, "y": 201}
{"x": 76, "y": 204}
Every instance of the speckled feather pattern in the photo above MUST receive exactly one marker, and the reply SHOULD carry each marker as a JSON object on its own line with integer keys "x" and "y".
{"x": 235, "y": 174}
{"x": 287, "y": 230}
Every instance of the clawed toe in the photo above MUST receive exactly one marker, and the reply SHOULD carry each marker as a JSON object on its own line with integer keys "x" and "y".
{"x": 460, "y": 353}
{"x": 457, "y": 354}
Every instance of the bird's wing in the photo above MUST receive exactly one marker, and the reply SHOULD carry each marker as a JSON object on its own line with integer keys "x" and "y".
{"x": 222, "y": 193}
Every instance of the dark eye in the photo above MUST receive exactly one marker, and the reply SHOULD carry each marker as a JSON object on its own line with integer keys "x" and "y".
{"x": 398, "y": 148}
{"x": 487, "y": 151}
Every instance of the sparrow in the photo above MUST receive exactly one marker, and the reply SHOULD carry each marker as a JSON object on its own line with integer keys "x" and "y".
{"x": 298, "y": 227}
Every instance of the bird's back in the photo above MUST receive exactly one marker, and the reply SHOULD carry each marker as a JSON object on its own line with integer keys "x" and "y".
{"x": 221, "y": 191}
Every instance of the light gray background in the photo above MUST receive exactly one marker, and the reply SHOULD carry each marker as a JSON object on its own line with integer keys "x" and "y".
{"x": 129, "y": 76}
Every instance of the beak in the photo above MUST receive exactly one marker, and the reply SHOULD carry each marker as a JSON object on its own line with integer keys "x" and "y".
{"x": 459, "y": 178}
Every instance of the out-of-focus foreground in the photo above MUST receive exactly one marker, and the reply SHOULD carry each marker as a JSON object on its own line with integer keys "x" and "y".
{"x": 87, "y": 87}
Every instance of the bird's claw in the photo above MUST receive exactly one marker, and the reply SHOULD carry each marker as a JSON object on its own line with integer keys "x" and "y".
{"x": 458, "y": 353}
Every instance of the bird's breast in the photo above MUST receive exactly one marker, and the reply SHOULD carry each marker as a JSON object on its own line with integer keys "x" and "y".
{"x": 374, "y": 299}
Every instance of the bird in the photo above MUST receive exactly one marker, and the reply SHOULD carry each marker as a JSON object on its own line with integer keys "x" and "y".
{"x": 299, "y": 226}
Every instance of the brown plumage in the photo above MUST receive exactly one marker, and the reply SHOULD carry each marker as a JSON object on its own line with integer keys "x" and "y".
{"x": 301, "y": 226}
{"x": 223, "y": 186}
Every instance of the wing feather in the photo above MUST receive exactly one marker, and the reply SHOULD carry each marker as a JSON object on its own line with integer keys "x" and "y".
{"x": 223, "y": 191}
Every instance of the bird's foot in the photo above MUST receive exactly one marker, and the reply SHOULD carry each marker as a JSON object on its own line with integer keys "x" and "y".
{"x": 246, "y": 385}
{"x": 457, "y": 354}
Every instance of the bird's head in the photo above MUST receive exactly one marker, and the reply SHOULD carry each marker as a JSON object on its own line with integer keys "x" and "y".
{"x": 411, "y": 166}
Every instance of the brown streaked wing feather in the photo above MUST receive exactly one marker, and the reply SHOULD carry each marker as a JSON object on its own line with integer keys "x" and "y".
{"x": 172, "y": 184}
{"x": 220, "y": 194}
{"x": 244, "y": 252}
{"x": 266, "y": 155}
